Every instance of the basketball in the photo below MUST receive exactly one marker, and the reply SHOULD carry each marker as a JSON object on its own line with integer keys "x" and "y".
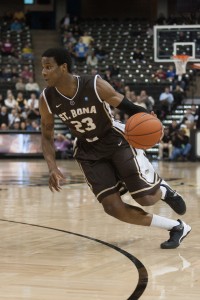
{"x": 143, "y": 130}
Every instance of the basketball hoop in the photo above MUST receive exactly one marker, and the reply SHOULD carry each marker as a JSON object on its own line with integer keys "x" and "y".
{"x": 180, "y": 63}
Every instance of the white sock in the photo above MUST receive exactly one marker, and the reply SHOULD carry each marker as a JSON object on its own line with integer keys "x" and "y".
{"x": 163, "y": 189}
{"x": 162, "y": 222}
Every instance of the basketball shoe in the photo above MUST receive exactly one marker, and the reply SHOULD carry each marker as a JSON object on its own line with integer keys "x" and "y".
{"x": 174, "y": 200}
{"x": 176, "y": 235}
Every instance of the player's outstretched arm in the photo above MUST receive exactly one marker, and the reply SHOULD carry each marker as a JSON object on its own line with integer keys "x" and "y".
{"x": 47, "y": 129}
{"x": 115, "y": 99}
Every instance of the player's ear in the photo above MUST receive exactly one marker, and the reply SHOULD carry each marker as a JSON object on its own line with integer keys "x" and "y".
{"x": 64, "y": 67}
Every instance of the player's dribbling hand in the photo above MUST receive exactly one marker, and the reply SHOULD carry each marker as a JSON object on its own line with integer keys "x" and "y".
{"x": 55, "y": 177}
{"x": 153, "y": 114}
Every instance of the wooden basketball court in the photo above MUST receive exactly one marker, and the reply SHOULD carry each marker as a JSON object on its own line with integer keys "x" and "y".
{"x": 62, "y": 246}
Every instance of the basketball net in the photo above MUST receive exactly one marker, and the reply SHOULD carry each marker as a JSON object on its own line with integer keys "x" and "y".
{"x": 180, "y": 62}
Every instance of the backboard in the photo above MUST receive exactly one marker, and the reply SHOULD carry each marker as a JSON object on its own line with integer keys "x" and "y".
{"x": 171, "y": 40}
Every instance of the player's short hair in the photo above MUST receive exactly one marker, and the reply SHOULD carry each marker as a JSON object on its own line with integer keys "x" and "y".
{"x": 61, "y": 56}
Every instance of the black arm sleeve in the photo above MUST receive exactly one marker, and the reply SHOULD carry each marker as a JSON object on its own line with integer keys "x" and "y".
{"x": 129, "y": 108}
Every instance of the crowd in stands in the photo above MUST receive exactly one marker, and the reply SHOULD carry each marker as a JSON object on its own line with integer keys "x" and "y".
{"x": 91, "y": 55}
{"x": 175, "y": 144}
{"x": 19, "y": 108}
{"x": 19, "y": 104}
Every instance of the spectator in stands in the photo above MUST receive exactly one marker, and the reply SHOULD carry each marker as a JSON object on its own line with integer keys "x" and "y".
{"x": 92, "y": 60}
{"x": 21, "y": 102}
{"x": 76, "y": 31}
{"x": 10, "y": 102}
{"x": 32, "y": 86}
{"x": 16, "y": 26}
{"x": 13, "y": 117}
{"x": 26, "y": 73}
{"x": 166, "y": 99}
{"x": 107, "y": 76}
{"x": 178, "y": 94}
{"x": 27, "y": 52}
{"x": 7, "y": 48}
{"x": 4, "y": 115}
{"x": 33, "y": 108}
{"x": 133, "y": 97}
{"x": 148, "y": 100}
{"x": 23, "y": 125}
{"x": 87, "y": 39}
{"x": 15, "y": 126}
{"x": 20, "y": 85}
{"x": 68, "y": 38}
{"x": 188, "y": 118}
{"x": 80, "y": 50}
{"x": 165, "y": 145}
{"x": 140, "y": 102}
{"x": 4, "y": 127}
{"x": 63, "y": 146}
{"x": 171, "y": 73}
{"x": 127, "y": 94}
{"x": 33, "y": 125}
{"x": 70, "y": 47}
{"x": 160, "y": 74}
{"x": 126, "y": 88}
{"x": 181, "y": 145}
{"x": 100, "y": 52}
{"x": 174, "y": 126}
{"x": 6, "y": 73}
{"x": 65, "y": 23}
{"x": 19, "y": 15}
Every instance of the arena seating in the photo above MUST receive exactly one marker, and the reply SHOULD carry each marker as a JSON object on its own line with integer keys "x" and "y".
{"x": 19, "y": 40}
{"x": 119, "y": 39}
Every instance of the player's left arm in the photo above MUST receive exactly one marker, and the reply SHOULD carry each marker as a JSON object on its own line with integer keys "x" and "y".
{"x": 108, "y": 94}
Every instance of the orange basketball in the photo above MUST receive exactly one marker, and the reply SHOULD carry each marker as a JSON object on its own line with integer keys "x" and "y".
{"x": 143, "y": 130}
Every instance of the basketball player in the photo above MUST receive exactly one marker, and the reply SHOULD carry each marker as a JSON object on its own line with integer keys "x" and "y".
{"x": 110, "y": 165}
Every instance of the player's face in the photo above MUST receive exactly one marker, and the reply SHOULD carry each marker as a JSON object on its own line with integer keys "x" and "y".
{"x": 51, "y": 72}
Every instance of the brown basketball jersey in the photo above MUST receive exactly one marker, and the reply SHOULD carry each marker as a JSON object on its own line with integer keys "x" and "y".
{"x": 87, "y": 116}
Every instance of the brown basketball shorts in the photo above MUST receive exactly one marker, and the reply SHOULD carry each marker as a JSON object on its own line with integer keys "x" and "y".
{"x": 122, "y": 165}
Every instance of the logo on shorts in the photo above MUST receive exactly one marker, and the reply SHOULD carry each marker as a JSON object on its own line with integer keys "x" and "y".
{"x": 120, "y": 143}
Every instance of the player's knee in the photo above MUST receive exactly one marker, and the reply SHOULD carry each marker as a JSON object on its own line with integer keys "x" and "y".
{"x": 112, "y": 208}
{"x": 150, "y": 199}
{"x": 145, "y": 200}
